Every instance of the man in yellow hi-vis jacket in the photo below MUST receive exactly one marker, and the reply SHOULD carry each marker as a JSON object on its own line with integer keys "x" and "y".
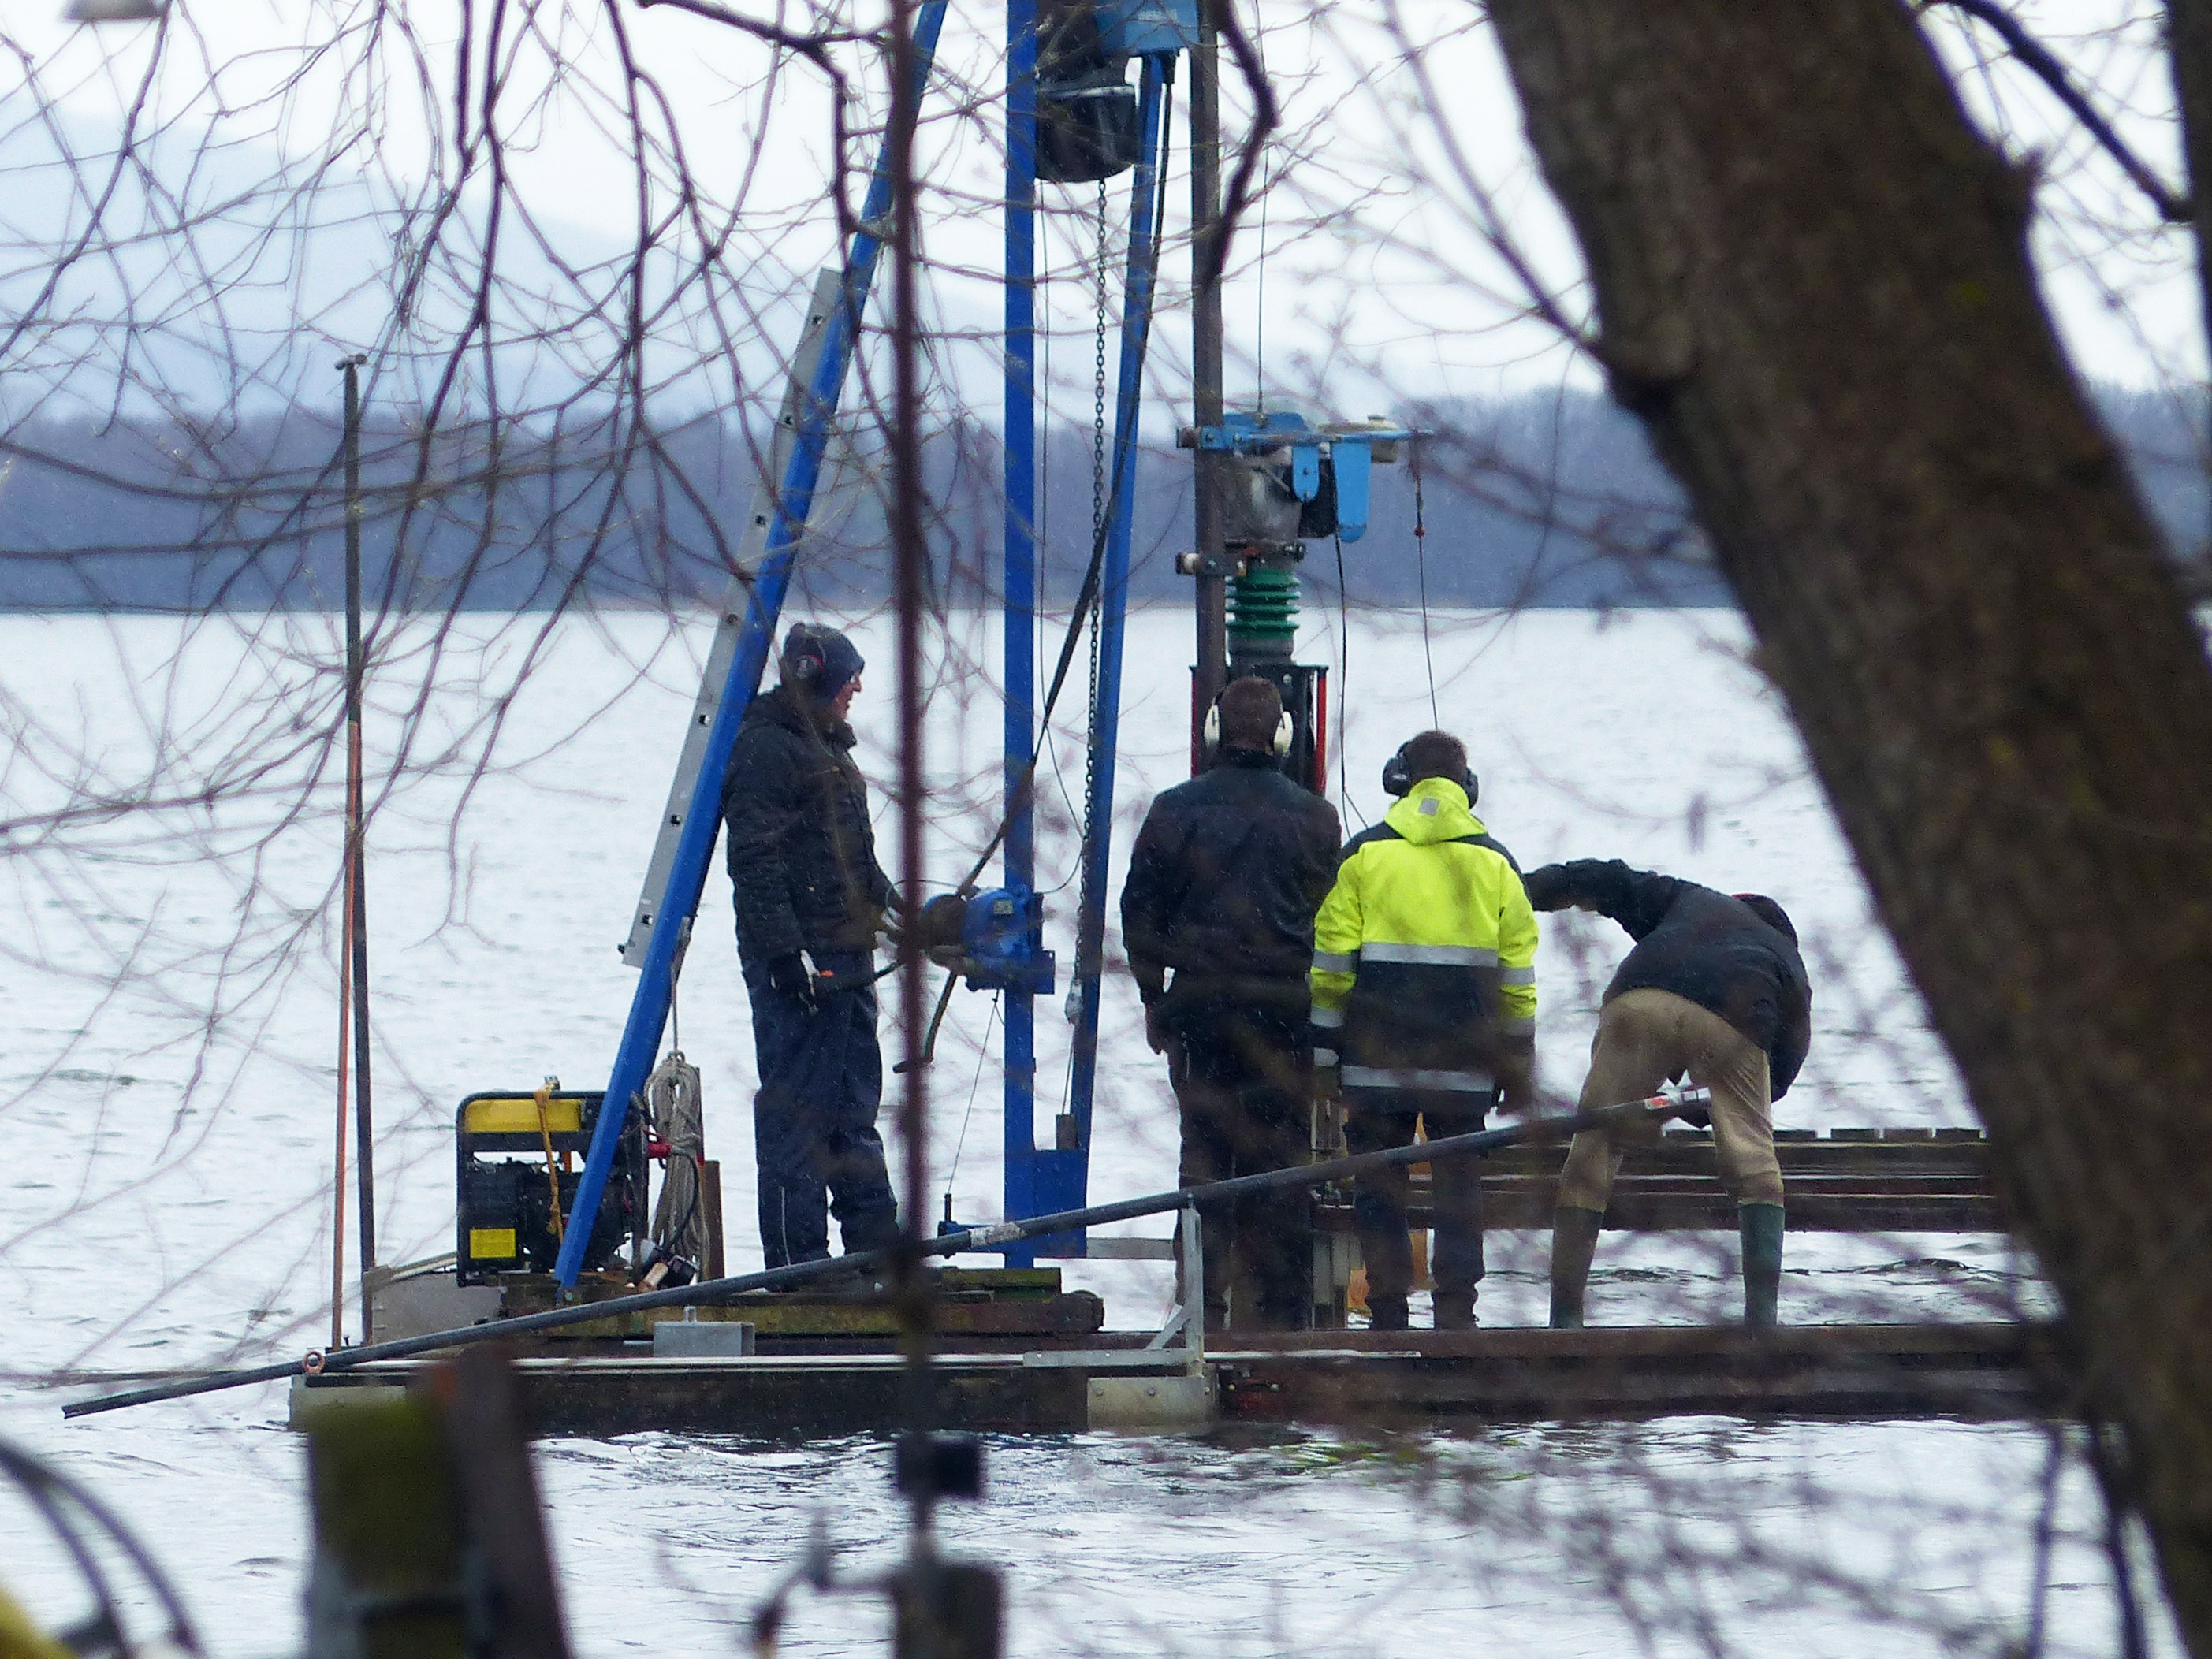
{"x": 1425, "y": 994}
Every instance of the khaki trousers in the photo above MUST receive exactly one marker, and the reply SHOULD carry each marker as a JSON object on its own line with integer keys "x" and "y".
{"x": 1644, "y": 1039}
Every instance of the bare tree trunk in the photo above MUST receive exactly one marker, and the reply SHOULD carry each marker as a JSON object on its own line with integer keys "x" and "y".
{"x": 1813, "y": 288}
{"x": 2189, "y": 32}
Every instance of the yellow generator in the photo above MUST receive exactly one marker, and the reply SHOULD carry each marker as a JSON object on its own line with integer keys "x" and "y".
{"x": 519, "y": 1158}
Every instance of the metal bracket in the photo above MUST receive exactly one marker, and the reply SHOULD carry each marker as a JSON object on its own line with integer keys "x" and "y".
{"x": 1188, "y": 1320}
{"x": 1350, "y": 447}
{"x": 1224, "y": 565}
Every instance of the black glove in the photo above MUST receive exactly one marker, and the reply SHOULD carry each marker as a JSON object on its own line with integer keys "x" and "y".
{"x": 1158, "y": 1036}
{"x": 794, "y": 976}
{"x": 1547, "y": 888}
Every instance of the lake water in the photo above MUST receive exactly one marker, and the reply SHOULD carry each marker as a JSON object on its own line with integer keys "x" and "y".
{"x": 166, "y": 1086}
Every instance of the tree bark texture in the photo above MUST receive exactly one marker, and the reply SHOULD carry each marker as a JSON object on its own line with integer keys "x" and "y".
{"x": 2188, "y": 35}
{"x": 1812, "y": 284}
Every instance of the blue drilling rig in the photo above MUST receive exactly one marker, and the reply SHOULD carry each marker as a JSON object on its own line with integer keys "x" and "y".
{"x": 1264, "y": 483}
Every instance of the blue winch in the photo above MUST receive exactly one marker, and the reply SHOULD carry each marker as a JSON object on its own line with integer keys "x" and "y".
{"x": 999, "y": 942}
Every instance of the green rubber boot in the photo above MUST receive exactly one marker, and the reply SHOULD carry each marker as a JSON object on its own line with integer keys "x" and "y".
{"x": 1574, "y": 1241}
{"x": 1762, "y": 1227}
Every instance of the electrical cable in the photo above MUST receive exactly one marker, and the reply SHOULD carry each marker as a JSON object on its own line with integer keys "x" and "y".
{"x": 982, "y": 1053}
{"x": 1060, "y": 777}
{"x": 1421, "y": 563}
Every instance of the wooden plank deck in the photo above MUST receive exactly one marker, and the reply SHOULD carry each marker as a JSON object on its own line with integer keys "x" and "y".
{"x": 1346, "y": 1379}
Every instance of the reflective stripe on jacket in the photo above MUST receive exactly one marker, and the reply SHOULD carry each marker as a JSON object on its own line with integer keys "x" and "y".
{"x": 1424, "y": 952}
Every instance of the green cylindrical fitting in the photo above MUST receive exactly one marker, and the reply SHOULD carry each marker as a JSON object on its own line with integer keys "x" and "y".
{"x": 1263, "y": 612}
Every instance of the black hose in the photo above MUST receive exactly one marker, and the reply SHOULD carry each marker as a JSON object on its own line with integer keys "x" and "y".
{"x": 956, "y": 1243}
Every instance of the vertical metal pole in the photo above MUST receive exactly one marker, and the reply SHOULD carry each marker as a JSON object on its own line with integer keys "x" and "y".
{"x": 908, "y": 553}
{"x": 703, "y": 822}
{"x": 338, "y": 1160}
{"x": 1212, "y": 660}
{"x": 1020, "y": 1141}
{"x": 1190, "y": 1233}
{"x": 357, "y": 850}
{"x": 1114, "y": 602}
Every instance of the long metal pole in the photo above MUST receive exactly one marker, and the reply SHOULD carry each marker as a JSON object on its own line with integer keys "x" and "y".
{"x": 1212, "y": 659}
{"x": 909, "y": 552}
{"x": 338, "y": 1155}
{"x": 1020, "y": 603}
{"x": 968, "y": 1240}
{"x": 1113, "y": 590}
{"x": 356, "y": 848}
{"x": 703, "y": 822}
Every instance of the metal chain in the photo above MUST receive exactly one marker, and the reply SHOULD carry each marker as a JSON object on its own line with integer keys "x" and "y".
{"x": 1098, "y": 382}
{"x": 1099, "y": 505}
{"x": 1098, "y": 511}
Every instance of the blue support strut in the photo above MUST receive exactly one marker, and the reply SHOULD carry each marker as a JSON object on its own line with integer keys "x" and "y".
{"x": 702, "y": 821}
{"x": 1113, "y": 612}
{"x": 1020, "y": 614}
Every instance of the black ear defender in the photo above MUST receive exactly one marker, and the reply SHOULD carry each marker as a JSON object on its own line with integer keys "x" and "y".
{"x": 804, "y": 657}
{"x": 1210, "y": 733}
{"x": 1398, "y": 777}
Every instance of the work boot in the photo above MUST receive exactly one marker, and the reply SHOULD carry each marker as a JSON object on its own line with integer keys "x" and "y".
{"x": 1762, "y": 1227}
{"x": 1454, "y": 1313}
{"x": 1387, "y": 1313}
{"x": 1574, "y": 1241}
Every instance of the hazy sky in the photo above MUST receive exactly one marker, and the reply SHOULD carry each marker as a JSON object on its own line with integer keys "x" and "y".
{"x": 1400, "y": 133}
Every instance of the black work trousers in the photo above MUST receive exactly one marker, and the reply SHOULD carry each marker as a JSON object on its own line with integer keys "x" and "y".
{"x": 1243, "y": 1070}
{"x": 814, "y": 1120}
{"x": 1377, "y": 1118}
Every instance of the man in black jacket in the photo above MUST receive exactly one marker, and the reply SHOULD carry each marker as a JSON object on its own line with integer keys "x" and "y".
{"x": 809, "y": 900}
{"x": 1222, "y": 884}
{"x": 1715, "y": 989}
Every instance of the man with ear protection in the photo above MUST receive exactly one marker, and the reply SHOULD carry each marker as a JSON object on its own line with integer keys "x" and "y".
{"x": 810, "y": 898}
{"x": 1223, "y": 884}
{"x": 1425, "y": 1007}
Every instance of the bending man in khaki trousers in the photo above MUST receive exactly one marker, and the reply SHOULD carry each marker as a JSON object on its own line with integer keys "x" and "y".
{"x": 1715, "y": 990}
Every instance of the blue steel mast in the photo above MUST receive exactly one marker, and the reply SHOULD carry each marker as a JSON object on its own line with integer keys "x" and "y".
{"x": 1114, "y": 600}
{"x": 1020, "y": 605}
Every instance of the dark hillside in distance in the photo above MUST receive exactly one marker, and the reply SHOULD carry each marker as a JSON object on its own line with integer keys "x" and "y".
{"x": 1543, "y": 500}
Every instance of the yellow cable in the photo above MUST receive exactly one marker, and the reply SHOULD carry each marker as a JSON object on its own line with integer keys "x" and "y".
{"x": 544, "y": 1098}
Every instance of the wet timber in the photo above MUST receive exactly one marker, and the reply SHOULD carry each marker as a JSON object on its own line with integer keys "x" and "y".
{"x": 1354, "y": 1380}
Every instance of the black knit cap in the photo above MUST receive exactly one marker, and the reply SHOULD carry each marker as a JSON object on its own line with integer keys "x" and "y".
{"x": 819, "y": 660}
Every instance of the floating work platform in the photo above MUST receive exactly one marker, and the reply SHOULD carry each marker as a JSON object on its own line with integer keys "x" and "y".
{"x": 1028, "y": 1356}
{"x": 1354, "y": 1380}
